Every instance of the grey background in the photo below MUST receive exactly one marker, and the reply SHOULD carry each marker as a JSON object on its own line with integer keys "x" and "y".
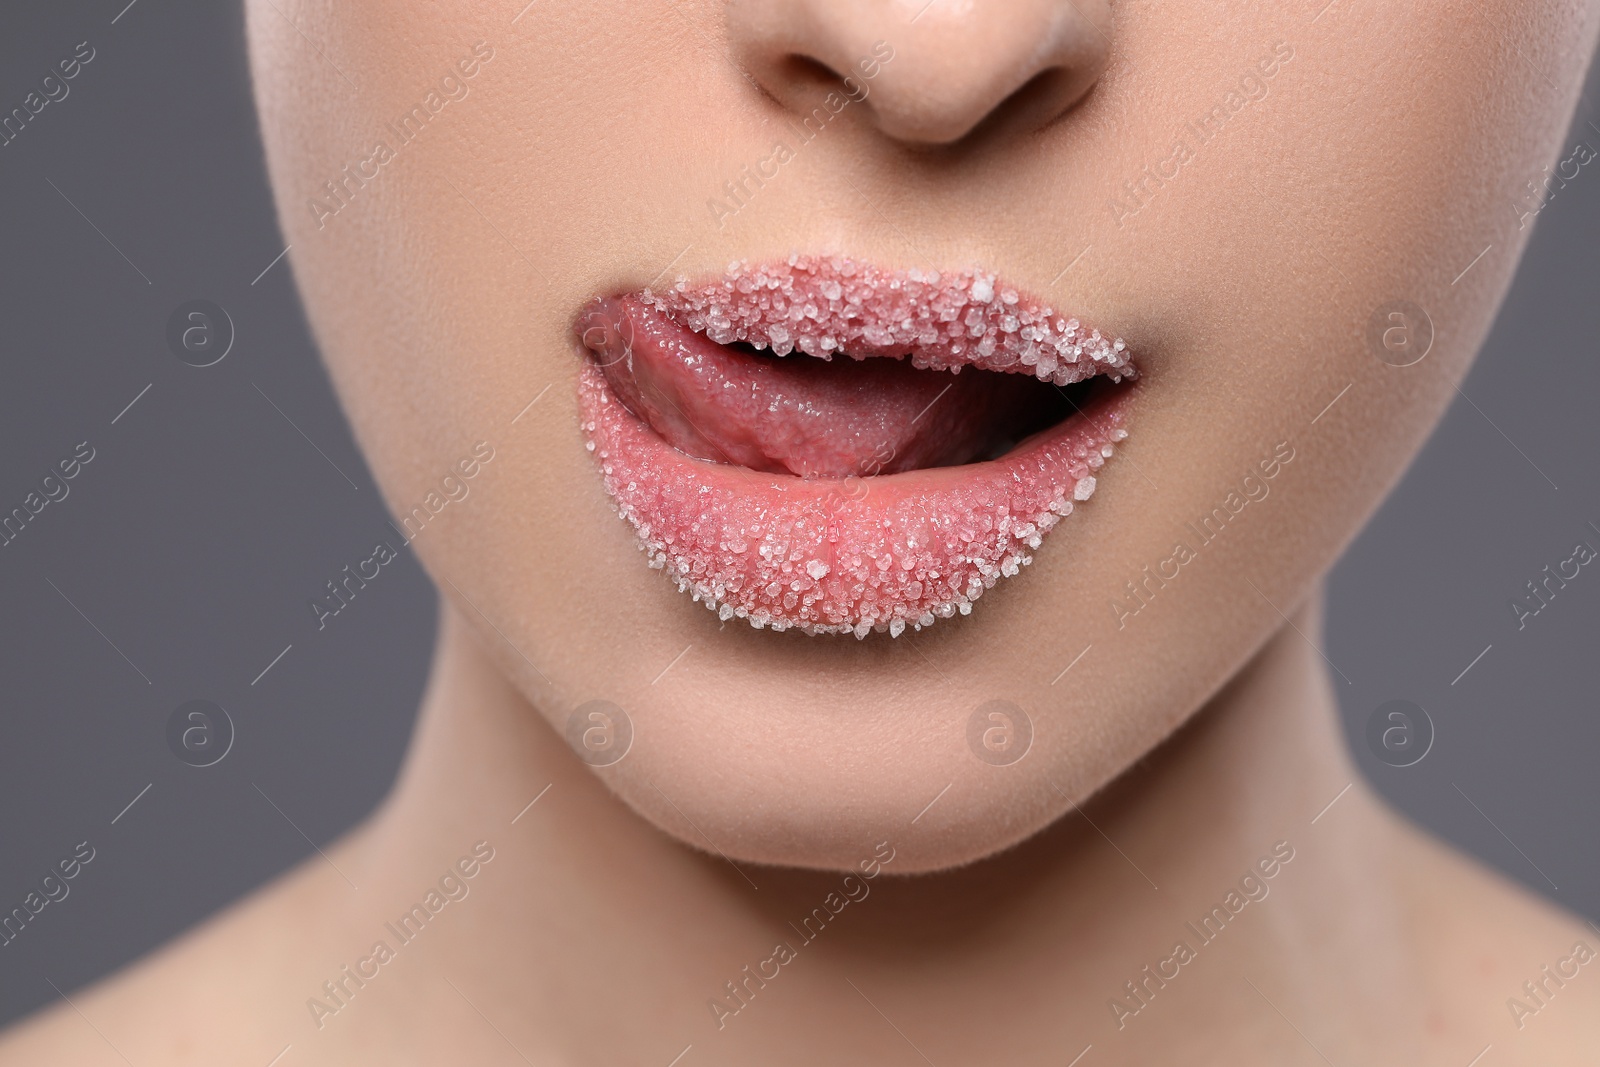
{"x": 185, "y": 552}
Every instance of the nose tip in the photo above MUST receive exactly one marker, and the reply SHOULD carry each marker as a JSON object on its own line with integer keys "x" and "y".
{"x": 928, "y": 72}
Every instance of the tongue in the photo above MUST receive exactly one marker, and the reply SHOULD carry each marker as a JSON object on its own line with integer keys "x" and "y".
{"x": 798, "y": 414}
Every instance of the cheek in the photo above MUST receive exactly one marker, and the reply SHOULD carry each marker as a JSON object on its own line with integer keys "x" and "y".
{"x": 1308, "y": 216}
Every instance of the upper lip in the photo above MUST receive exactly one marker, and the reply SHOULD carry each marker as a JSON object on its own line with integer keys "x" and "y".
{"x": 938, "y": 319}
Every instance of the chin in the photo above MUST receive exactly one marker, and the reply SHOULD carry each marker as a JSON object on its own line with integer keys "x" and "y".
{"x": 820, "y": 777}
{"x": 829, "y": 818}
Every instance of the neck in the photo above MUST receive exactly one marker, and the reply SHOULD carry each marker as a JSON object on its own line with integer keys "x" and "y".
{"x": 1128, "y": 921}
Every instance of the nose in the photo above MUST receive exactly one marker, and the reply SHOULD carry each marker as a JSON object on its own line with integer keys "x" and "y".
{"x": 930, "y": 70}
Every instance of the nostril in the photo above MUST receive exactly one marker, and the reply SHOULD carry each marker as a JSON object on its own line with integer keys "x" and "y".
{"x": 804, "y": 72}
{"x": 1042, "y": 99}
{"x": 799, "y": 81}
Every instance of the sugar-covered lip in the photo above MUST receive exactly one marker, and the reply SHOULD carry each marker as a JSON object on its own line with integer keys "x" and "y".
{"x": 863, "y": 551}
{"x": 942, "y": 320}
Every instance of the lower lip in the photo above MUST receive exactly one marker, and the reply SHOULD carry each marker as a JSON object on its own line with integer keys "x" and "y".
{"x": 844, "y": 555}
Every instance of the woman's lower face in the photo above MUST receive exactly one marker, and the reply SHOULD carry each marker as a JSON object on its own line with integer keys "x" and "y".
{"x": 888, "y": 406}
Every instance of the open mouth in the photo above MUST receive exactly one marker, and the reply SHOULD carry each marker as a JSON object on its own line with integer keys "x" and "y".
{"x": 830, "y": 446}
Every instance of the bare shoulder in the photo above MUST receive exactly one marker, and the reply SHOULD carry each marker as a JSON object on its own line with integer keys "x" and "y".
{"x": 1508, "y": 969}
{"x": 223, "y": 992}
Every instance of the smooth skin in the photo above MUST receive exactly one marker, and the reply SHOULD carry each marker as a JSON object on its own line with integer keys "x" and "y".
{"x": 1376, "y": 160}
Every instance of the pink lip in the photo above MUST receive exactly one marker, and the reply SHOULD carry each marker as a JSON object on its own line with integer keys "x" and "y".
{"x": 852, "y": 550}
